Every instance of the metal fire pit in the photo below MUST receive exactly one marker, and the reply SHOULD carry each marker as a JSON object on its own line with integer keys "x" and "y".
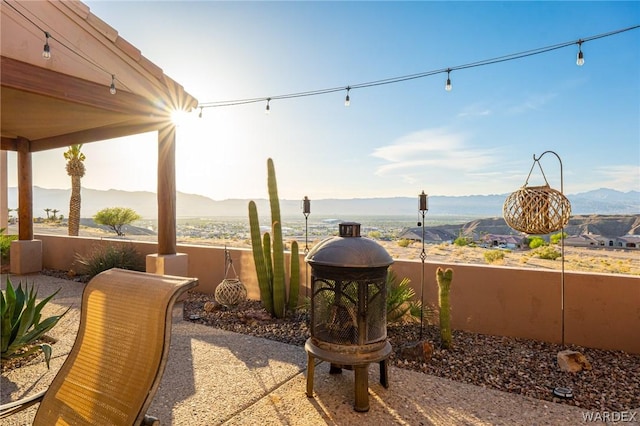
{"x": 348, "y": 308}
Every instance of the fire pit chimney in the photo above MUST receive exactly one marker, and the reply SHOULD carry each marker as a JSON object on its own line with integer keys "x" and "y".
{"x": 348, "y": 308}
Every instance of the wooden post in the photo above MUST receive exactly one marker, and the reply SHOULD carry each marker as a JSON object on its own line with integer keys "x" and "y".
{"x": 25, "y": 191}
{"x": 167, "y": 190}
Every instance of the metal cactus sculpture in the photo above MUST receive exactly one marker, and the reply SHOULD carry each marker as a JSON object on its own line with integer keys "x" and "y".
{"x": 444, "y": 278}
{"x": 268, "y": 255}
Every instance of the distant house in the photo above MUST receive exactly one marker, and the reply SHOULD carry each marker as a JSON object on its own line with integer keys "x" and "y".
{"x": 434, "y": 236}
{"x": 584, "y": 240}
{"x": 628, "y": 241}
{"x": 503, "y": 241}
{"x": 591, "y": 240}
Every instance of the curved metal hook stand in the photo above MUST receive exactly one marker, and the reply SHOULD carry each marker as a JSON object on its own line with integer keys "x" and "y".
{"x": 537, "y": 160}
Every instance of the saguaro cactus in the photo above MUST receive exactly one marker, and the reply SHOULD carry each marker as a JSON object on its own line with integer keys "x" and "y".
{"x": 444, "y": 278}
{"x": 268, "y": 256}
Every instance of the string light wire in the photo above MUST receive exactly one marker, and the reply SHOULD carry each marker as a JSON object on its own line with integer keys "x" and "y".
{"x": 64, "y": 44}
{"x": 393, "y": 80}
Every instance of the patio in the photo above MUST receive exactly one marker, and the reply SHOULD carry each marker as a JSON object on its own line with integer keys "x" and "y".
{"x": 218, "y": 377}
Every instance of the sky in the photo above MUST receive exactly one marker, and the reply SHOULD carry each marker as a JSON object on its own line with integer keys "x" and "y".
{"x": 394, "y": 140}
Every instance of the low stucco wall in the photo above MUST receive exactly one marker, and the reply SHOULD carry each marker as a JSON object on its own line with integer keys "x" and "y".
{"x": 600, "y": 310}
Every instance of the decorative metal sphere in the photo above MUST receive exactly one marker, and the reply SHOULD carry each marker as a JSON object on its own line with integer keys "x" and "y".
{"x": 536, "y": 210}
{"x": 230, "y": 292}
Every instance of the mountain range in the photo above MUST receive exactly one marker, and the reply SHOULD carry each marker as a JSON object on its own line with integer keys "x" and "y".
{"x": 601, "y": 201}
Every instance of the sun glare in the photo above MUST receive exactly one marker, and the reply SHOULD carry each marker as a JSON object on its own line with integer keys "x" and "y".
{"x": 180, "y": 117}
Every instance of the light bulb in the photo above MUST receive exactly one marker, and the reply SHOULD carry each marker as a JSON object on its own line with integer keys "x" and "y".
{"x": 447, "y": 86}
{"x": 347, "y": 99}
{"x": 200, "y": 115}
{"x": 580, "y": 57}
{"x": 112, "y": 88}
{"x": 46, "y": 52}
{"x": 267, "y": 110}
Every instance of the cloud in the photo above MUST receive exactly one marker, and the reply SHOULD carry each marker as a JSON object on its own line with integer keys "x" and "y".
{"x": 418, "y": 143}
{"x": 432, "y": 151}
{"x": 623, "y": 177}
{"x": 533, "y": 102}
{"x": 475, "y": 110}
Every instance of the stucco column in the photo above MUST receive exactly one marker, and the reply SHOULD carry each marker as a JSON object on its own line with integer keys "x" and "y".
{"x": 4, "y": 192}
{"x": 26, "y": 253}
{"x": 167, "y": 261}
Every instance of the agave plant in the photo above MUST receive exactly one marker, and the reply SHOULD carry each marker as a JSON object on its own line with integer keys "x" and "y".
{"x": 21, "y": 325}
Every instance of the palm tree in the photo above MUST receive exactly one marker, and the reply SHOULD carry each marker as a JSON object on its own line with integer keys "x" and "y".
{"x": 75, "y": 169}
{"x": 48, "y": 211}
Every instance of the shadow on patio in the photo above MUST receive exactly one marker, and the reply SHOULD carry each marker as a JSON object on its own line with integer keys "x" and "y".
{"x": 218, "y": 377}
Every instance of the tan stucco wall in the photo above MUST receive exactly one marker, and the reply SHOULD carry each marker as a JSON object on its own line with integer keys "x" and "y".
{"x": 600, "y": 311}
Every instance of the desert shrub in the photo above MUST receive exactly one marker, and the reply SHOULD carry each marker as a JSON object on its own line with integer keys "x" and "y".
{"x": 462, "y": 241}
{"x": 374, "y": 235}
{"x": 491, "y": 256}
{"x": 536, "y": 242}
{"x": 104, "y": 257}
{"x": 404, "y": 242}
{"x": 22, "y": 330}
{"x": 5, "y": 244}
{"x": 547, "y": 252}
{"x": 400, "y": 303}
{"x": 555, "y": 238}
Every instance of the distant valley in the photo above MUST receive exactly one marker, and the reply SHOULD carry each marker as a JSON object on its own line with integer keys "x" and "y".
{"x": 600, "y": 201}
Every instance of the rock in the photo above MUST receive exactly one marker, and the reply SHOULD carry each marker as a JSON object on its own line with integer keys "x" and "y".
{"x": 572, "y": 361}
{"x": 209, "y": 306}
{"x": 418, "y": 351}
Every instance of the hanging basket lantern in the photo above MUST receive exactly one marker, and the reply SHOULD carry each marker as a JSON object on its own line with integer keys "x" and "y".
{"x": 230, "y": 292}
{"x": 536, "y": 210}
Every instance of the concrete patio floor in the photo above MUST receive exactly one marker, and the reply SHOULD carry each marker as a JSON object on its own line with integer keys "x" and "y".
{"x": 217, "y": 377}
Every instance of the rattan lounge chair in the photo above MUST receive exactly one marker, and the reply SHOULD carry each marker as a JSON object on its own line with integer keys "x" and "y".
{"x": 114, "y": 368}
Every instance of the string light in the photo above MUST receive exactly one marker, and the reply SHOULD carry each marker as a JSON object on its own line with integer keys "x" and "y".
{"x": 347, "y": 100}
{"x": 579, "y": 61}
{"x": 46, "y": 52}
{"x": 200, "y": 114}
{"x": 267, "y": 110}
{"x": 392, "y": 80}
{"x": 447, "y": 86}
{"x": 580, "y": 58}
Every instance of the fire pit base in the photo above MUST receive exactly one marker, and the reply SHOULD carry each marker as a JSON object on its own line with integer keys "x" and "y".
{"x": 358, "y": 359}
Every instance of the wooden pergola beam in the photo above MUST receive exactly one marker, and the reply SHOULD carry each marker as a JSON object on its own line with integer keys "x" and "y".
{"x": 29, "y": 78}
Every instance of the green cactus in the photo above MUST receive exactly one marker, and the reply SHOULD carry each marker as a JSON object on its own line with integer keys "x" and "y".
{"x": 444, "y": 286}
{"x": 268, "y": 256}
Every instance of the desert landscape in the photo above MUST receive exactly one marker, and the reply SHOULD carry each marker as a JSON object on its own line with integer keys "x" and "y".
{"x": 599, "y": 260}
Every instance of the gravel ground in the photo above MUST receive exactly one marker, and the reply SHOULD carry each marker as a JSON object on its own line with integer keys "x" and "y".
{"x": 519, "y": 366}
